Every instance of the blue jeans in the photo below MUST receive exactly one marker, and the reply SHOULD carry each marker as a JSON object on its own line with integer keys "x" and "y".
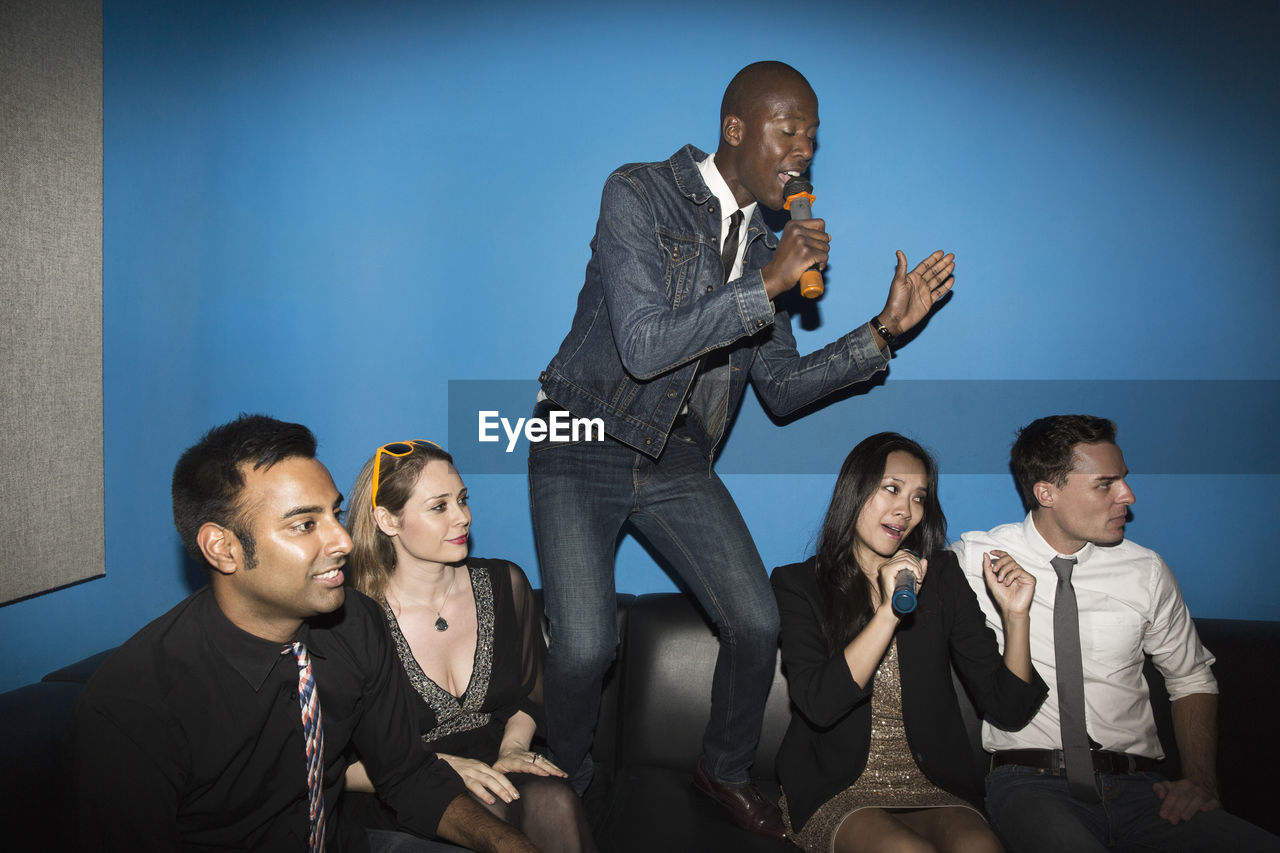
{"x": 1033, "y": 812}
{"x": 581, "y": 495}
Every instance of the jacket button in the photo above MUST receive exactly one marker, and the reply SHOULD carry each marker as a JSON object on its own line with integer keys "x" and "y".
{"x": 759, "y": 324}
{"x": 671, "y": 395}
{"x": 710, "y": 288}
{"x": 648, "y": 441}
{"x": 675, "y": 252}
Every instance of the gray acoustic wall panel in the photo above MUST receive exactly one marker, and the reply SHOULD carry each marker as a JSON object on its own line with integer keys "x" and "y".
{"x": 51, "y": 498}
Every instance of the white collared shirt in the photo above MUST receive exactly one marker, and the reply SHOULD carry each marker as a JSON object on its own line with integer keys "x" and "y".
{"x": 728, "y": 204}
{"x": 1129, "y": 603}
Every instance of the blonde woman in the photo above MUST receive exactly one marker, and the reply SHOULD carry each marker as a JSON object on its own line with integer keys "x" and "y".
{"x": 470, "y": 638}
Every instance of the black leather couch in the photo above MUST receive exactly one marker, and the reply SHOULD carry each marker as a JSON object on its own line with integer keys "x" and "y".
{"x": 654, "y": 707}
{"x": 665, "y": 680}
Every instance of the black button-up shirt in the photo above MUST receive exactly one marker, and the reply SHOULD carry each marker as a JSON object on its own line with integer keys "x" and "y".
{"x": 190, "y": 737}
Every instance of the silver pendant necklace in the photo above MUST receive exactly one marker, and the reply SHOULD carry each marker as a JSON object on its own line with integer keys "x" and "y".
{"x": 442, "y": 624}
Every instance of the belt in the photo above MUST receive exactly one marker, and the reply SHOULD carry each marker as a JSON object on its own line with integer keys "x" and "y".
{"x": 1104, "y": 760}
{"x": 681, "y": 419}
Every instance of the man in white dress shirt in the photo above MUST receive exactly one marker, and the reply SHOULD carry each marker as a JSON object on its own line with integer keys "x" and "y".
{"x": 1072, "y": 476}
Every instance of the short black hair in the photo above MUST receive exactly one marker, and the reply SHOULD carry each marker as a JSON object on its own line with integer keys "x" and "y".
{"x": 747, "y": 86}
{"x": 208, "y": 479}
{"x": 1045, "y": 450}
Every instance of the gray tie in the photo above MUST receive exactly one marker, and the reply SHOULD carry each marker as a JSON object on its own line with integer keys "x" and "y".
{"x": 1066, "y": 647}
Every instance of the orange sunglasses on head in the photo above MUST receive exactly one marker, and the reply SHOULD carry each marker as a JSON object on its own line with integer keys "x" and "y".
{"x": 395, "y": 448}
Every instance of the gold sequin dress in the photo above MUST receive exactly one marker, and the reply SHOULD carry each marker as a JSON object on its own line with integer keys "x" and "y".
{"x": 891, "y": 779}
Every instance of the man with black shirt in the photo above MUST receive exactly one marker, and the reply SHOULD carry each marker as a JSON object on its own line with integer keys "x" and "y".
{"x": 225, "y": 723}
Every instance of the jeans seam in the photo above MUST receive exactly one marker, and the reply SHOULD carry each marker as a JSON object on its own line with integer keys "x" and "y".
{"x": 722, "y": 623}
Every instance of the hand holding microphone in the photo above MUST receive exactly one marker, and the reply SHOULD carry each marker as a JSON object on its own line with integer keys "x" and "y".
{"x": 903, "y": 596}
{"x": 799, "y": 195}
{"x": 803, "y": 246}
{"x": 904, "y": 592}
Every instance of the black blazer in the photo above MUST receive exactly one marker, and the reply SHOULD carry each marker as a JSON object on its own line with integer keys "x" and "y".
{"x": 825, "y": 747}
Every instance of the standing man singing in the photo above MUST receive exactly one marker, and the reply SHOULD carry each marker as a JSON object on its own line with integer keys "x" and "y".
{"x": 675, "y": 315}
{"x": 1078, "y": 778}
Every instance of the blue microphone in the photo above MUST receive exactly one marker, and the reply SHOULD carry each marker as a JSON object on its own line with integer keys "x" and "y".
{"x": 904, "y": 592}
{"x": 904, "y": 589}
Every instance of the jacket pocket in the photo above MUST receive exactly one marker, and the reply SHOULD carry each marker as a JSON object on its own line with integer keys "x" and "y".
{"x": 681, "y": 255}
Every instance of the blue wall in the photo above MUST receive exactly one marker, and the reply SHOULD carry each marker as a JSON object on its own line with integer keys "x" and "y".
{"x": 330, "y": 211}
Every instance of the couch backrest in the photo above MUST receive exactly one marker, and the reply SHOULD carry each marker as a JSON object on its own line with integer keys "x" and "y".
{"x": 665, "y": 687}
{"x": 670, "y": 653}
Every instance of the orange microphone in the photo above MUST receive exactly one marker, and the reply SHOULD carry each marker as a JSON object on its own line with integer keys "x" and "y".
{"x": 799, "y": 193}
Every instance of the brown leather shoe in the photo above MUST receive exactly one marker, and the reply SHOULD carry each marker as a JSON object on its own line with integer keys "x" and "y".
{"x": 748, "y": 807}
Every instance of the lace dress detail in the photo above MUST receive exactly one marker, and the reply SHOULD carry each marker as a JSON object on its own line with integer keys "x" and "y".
{"x": 454, "y": 714}
{"x": 891, "y": 779}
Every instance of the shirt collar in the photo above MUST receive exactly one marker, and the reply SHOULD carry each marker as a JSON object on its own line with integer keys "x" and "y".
{"x": 1044, "y": 550}
{"x": 251, "y": 656}
{"x": 720, "y": 189}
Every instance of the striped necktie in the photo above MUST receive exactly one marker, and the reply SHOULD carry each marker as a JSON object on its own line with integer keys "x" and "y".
{"x": 309, "y": 700}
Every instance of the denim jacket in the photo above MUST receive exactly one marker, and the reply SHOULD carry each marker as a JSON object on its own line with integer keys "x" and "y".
{"x": 653, "y": 304}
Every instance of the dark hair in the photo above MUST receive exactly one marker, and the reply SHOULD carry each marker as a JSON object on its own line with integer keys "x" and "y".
{"x": 209, "y": 476}
{"x": 1045, "y": 450}
{"x": 748, "y": 85}
{"x": 846, "y": 591}
{"x": 373, "y": 558}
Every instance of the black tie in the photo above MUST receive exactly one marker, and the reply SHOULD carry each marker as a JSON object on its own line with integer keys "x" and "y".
{"x": 1066, "y": 652}
{"x": 729, "y": 254}
{"x": 710, "y": 394}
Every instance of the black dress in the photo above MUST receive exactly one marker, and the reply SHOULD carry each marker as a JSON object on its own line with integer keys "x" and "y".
{"x": 506, "y": 677}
